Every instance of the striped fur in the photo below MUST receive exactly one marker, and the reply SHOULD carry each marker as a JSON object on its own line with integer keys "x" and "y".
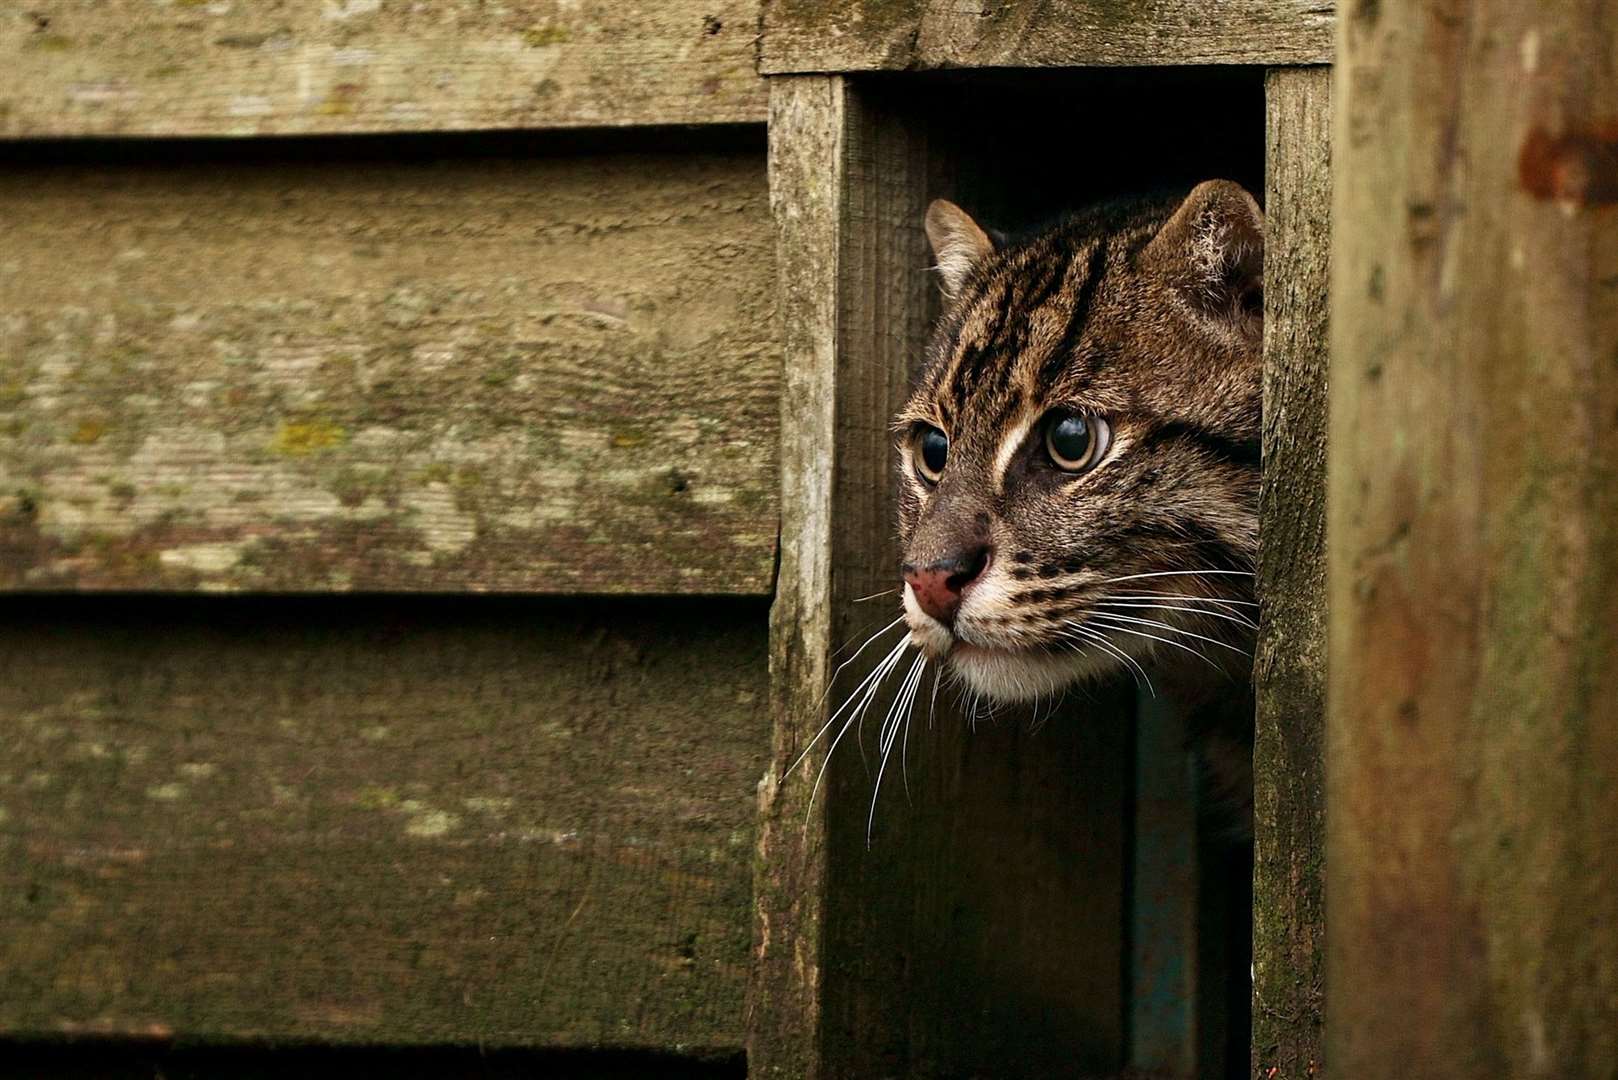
{"x": 1147, "y": 314}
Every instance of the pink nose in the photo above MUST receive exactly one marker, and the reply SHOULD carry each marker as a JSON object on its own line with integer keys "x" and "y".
{"x": 939, "y": 585}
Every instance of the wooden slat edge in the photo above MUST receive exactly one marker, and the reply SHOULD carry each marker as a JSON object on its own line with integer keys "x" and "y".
{"x": 819, "y": 36}
{"x": 1289, "y": 668}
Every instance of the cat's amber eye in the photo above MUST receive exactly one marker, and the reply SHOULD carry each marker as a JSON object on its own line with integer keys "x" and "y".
{"x": 931, "y": 453}
{"x": 1077, "y": 443}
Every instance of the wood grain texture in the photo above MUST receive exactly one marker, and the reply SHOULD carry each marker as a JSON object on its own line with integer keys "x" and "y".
{"x": 974, "y": 928}
{"x": 534, "y": 374}
{"x": 882, "y": 35}
{"x": 1472, "y": 891}
{"x": 1289, "y": 671}
{"x": 807, "y": 124}
{"x": 192, "y": 67}
{"x": 381, "y": 821}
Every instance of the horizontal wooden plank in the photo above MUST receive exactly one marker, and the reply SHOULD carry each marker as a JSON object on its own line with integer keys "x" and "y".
{"x": 194, "y": 67}
{"x": 882, "y": 35}
{"x": 503, "y": 822}
{"x": 540, "y": 374}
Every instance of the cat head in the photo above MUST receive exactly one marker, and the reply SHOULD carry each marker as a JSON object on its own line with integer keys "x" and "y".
{"x": 1080, "y": 458}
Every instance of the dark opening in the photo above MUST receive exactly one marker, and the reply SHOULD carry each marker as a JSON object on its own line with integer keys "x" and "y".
{"x": 1017, "y": 150}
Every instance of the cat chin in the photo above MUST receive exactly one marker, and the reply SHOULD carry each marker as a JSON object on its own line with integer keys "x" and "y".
{"x": 1010, "y": 677}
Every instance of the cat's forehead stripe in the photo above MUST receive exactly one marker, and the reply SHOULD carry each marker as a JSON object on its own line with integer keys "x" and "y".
{"x": 1009, "y": 444}
{"x": 1019, "y": 333}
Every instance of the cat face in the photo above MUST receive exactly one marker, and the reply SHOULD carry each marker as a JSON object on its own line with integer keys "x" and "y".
{"x": 1080, "y": 460}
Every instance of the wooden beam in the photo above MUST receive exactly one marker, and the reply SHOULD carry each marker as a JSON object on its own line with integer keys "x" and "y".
{"x": 1289, "y": 800}
{"x": 308, "y": 373}
{"x": 884, "y": 35}
{"x": 134, "y": 68}
{"x": 379, "y": 821}
{"x": 1473, "y": 681}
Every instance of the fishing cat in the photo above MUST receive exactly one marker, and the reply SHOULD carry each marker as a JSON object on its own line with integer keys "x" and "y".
{"x": 1080, "y": 460}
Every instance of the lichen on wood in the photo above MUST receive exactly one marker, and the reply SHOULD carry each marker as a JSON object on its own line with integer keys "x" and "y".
{"x": 136, "y": 68}
{"x": 543, "y": 374}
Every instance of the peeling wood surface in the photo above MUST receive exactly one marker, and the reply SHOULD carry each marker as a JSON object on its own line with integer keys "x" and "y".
{"x": 1473, "y": 683}
{"x": 534, "y": 374}
{"x": 1289, "y": 799}
{"x": 888, "y": 35}
{"x": 485, "y": 822}
{"x": 289, "y": 67}
{"x": 976, "y": 927}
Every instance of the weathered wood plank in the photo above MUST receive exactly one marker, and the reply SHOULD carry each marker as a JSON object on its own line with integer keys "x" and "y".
{"x": 1289, "y": 671}
{"x": 536, "y": 374}
{"x": 1472, "y": 888}
{"x": 975, "y": 928}
{"x": 406, "y": 820}
{"x": 133, "y": 67}
{"x": 806, "y": 164}
{"x": 882, "y": 35}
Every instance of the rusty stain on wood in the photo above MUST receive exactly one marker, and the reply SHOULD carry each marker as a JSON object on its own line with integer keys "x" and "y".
{"x": 133, "y": 68}
{"x": 1578, "y": 167}
{"x": 543, "y": 374}
{"x": 400, "y": 820}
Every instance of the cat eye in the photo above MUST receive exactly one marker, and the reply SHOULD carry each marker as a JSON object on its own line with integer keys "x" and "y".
{"x": 1077, "y": 443}
{"x": 931, "y": 452}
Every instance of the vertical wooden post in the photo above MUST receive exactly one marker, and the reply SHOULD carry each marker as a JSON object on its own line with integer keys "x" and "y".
{"x": 1473, "y": 681}
{"x": 806, "y": 166}
{"x": 848, "y": 198}
{"x": 1290, "y": 664}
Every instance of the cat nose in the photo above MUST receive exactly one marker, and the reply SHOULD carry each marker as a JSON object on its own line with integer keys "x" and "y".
{"x": 938, "y": 585}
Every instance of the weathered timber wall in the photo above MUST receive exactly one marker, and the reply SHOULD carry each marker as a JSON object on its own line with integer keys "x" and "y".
{"x": 1289, "y": 799}
{"x": 305, "y": 372}
{"x": 884, "y": 35}
{"x": 1473, "y": 683}
{"x": 135, "y": 67}
{"x": 375, "y": 820}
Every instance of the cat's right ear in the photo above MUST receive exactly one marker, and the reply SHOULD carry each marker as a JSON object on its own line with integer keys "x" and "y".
{"x": 1213, "y": 249}
{"x": 959, "y": 244}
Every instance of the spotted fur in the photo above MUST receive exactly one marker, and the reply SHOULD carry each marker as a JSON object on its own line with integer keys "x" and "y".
{"x": 1147, "y": 314}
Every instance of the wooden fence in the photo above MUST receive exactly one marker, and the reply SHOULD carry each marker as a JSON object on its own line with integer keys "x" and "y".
{"x": 324, "y": 320}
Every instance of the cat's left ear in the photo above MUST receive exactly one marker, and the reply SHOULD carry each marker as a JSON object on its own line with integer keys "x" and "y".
{"x": 1213, "y": 249}
{"x": 959, "y": 244}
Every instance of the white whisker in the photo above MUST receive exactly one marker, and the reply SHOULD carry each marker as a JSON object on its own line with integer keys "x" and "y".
{"x": 1240, "y": 620}
{"x": 886, "y": 738}
{"x": 831, "y": 682}
{"x": 856, "y": 692}
{"x": 875, "y": 595}
{"x": 873, "y": 681}
{"x": 933, "y": 701}
{"x": 1220, "y": 600}
{"x": 1172, "y": 629}
{"x": 1166, "y": 641}
{"x": 1095, "y": 637}
{"x": 1173, "y": 573}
